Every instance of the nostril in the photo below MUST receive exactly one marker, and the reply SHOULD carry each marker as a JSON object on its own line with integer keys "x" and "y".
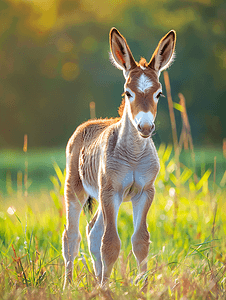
{"x": 139, "y": 127}
{"x": 146, "y": 129}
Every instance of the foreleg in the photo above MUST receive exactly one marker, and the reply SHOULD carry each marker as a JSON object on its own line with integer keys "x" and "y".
{"x": 110, "y": 245}
{"x": 140, "y": 237}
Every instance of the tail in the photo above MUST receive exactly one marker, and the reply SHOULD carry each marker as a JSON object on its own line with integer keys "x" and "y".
{"x": 89, "y": 205}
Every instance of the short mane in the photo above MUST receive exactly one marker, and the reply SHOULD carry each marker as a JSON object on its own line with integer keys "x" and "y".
{"x": 143, "y": 63}
{"x": 121, "y": 107}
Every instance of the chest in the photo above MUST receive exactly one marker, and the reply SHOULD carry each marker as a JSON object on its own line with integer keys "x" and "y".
{"x": 140, "y": 178}
{"x": 130, "y": 170}
{"x": 134, "y": 176}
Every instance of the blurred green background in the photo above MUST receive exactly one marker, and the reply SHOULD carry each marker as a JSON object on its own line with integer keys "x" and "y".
{"x": 54, "y": 61}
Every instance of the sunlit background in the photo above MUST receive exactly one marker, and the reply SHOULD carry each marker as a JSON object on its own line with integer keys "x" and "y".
{"x": 54, "y": 61}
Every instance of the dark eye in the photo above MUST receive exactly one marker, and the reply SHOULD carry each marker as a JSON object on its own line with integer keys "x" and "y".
{"x": 128, "y": 94}
{"x": 160, "y": 94}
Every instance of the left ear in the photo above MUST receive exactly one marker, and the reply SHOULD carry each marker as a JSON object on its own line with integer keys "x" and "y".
{"x": 121, "y": 54}
{"x": 163, "y": 55}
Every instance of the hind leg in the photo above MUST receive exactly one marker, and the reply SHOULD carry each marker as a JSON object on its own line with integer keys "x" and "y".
{"x": 75, "y": 198}
{"x": 95, "y": 231}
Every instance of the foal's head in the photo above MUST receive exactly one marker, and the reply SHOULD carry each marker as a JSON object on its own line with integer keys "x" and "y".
{"x": 142, "y": 88}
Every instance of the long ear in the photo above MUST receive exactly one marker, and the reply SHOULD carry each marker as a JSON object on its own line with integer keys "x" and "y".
{"x": 163, "y": 55}
{"x": 121, "y": 54}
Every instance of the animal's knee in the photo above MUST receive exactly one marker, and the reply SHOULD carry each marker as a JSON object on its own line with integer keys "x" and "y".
{"x": 110, "y": 247}
{"x": 70, "y": 242}
{"x": 140, "y": 243}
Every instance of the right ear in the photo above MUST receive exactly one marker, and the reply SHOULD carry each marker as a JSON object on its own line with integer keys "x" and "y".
{"x": 121, "y": 54}
{"x": 163, "y": 55}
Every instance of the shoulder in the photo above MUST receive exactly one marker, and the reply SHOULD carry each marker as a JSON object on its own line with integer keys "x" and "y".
{"x": 89, "y": 131}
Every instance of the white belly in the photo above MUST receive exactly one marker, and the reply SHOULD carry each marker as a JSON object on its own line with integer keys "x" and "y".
{"x": 91, "y": 191}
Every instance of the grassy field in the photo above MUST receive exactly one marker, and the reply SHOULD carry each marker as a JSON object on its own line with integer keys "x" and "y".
{"x": 40, "y": 166}
{"x": 187, "y": 224}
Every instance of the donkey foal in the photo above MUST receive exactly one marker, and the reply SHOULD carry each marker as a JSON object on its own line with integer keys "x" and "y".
{"x": 115, "y": 160}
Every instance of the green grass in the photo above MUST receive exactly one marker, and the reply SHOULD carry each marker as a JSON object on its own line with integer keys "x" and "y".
{"x": 187, "y": 225}
{"x": 40, "y": 165}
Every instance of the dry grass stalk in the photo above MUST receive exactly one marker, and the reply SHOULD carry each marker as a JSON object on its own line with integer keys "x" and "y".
{"x": 173, "y": 122}
{"x": 171, "y": 112}
{"x": 175, "y": 141}
{"x": 186, "y": 123}
{"x": 224, "y": 147}
{"x": 183, "y": 138}
{"x": 186, "y": 137}
{"x": 25, "y": 143}
{"x": 92, "y": 107}
{"x": 185, "y": 128}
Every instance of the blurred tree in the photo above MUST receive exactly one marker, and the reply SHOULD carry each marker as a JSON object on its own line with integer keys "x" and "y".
{"x": 54, "y": 61}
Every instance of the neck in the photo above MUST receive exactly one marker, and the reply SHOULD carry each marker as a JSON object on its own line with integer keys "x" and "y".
{"x": 129, "y": 137}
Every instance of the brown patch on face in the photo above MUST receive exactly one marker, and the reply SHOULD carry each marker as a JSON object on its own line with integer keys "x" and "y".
{"x": 143, "y": 100}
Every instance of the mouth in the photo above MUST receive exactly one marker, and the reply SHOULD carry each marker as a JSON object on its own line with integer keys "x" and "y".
{"x": 145, "y": 136}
